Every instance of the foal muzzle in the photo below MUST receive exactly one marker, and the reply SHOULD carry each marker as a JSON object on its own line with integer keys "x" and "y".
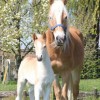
{"x": 40, "y": 58}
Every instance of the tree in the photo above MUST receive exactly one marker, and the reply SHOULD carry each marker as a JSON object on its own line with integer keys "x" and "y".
{"x": 18, "y": 22}
{"x": 40, "y": 16}
{"x": 85, "y": 16}
{"x": 10, "y": 29}
{"x": 28, "y": 16}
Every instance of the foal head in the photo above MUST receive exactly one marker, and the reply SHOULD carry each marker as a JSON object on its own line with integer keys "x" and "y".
{"x": 40, "y": 46}
{"x": 58, "y": 20}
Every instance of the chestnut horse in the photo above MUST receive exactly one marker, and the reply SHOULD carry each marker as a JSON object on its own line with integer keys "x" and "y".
{"x": 66, "y": 51}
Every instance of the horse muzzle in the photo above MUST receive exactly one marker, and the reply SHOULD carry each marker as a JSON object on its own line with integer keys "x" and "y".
{"x": 60, "y": 40}
{"x": 40, "y": 58}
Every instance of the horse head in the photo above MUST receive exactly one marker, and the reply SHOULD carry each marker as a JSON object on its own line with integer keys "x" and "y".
{"x": 39, "y": 46}
{"x": 58, "y": 20}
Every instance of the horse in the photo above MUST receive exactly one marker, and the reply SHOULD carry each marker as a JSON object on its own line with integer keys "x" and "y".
{"x": 66, "y": 50}
{"x": 36, "y": 71}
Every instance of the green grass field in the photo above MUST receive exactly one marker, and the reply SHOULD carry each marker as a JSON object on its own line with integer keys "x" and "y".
{"x": 10, "y": 86}
{"x": 85, "y": 85}
{"x": 89, "y": 84}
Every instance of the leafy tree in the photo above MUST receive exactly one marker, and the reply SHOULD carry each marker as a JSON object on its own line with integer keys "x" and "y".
{"x": 20, "y": 18}
{"x": 40, "y": 16}
{"x": 11, "y": 29}
{"x": 85, "y": 16}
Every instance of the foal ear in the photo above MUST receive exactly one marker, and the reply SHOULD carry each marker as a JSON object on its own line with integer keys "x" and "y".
{"x": 44, "y": 35}
{"x": 34, "y": 37}
{"x": 51, "y": 2}
{"x": 65, "y": 2}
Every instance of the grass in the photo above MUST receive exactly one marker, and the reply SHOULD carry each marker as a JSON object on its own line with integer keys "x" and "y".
{"x": 91, "y": 98}
{"x": 10, "y": 86}
{"x": 89, "y": 84}
{"x": 85, "y": 85}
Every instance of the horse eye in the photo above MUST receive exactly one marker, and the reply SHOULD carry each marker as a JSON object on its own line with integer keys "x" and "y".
{"x": 33, "y": 47}
{"x": 44, "y": 46}
{"x": 34, "y": 50}
{"x": 50, "y": 18}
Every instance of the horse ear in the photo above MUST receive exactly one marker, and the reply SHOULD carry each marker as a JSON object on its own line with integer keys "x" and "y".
{"x": 34, "y": 37}
{"x": 65, "y": 2}
{"x": 51, "y": 2}
{"x": 44, "y": 36}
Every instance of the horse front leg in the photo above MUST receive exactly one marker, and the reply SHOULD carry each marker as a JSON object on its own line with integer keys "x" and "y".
{"x": 46, "y": 95}
{"x": 57, "y": 88}
{"x": 65, "y": 80}
{"x": 70, "y": 88}
{"x": 37, "y": 91}
{"x": 20, "y": 87}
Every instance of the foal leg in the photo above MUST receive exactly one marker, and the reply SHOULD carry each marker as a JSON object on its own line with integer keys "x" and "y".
{"x": 20, "y": 87}
{"x": 31, "y": 92}
{"x": 37, "y": 91}
{"x": 57, "y": 88}
{"x": 46, "y": 95}
{"x": 76, "y": 80}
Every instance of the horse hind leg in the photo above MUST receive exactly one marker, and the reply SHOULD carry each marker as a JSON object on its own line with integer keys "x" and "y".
{"x": 76, "y": 80}
{"x": 20, "y": 87}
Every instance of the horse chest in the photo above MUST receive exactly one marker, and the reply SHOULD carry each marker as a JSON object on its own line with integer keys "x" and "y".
{"x": 61, "y": 64}
{"x": 59, "y": 58}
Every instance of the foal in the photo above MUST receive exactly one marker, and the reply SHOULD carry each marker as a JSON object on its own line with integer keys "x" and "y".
{"x": 37, "y": 71}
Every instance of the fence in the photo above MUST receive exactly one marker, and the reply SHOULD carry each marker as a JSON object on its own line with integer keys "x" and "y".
{"x": 82, "y": 95}
{"x": 95, "y": 93}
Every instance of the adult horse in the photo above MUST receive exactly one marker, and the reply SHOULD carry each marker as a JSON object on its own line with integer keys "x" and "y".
{"x": 65, "y": 48}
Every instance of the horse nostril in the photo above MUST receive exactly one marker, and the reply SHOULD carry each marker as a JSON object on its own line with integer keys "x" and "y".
{"x": 64, "y": 38}
{"x": 57, "y": 38}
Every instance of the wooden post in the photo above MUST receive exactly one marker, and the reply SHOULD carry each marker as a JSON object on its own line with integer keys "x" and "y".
{"x": 1, "y": 66}
{"x": 95, "y": 93}
{"x": 7, "y": 71}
